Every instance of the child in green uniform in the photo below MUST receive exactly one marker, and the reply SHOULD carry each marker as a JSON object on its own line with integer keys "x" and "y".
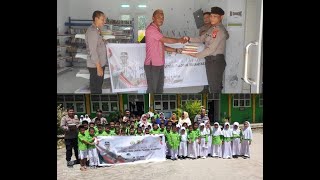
{"x": 100, "y": 130}
{"x": 139, "y": 132}
{"x": 162, "y": 129}
{"x": 112, "y": 127}
{"x": 132, "y": 132}
{"x": 156, "y": 129}
{"x": 196, "y": 129}
{"x": 216, "y": 141}
{"x": 166, "y": 135}
{"x": 174, "y": 141}
{"x": 147, "y": 131}
{"x": 108, "y": 132}
{"x": 92, "y": 150}
{"x": 82, "y": 146}
{"x": 192, "y": 141}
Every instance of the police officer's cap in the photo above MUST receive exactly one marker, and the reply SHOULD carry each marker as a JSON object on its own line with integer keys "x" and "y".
{"x": 217, "y": 10}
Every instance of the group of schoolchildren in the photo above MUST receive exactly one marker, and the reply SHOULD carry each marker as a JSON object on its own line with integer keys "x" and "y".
{"x": 182, "y": 141}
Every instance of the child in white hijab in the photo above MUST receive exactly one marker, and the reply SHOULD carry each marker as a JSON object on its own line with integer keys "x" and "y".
{"x": 246, "y": 139}
{"x": 183, "y": 143}
{"x": 216, "y": 141}
{"x": 226, "y": 143}
{"x": 209, "y": 133}
{"x": 203, "y": 148}
{"x": 235, "y": 145}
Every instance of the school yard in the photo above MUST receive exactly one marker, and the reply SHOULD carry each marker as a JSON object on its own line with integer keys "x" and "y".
{"x": 210, "y": 168}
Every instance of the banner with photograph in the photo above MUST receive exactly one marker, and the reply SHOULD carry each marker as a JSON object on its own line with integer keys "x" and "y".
{"x": 130, "y": 149}
{"x": 127, "y": 73}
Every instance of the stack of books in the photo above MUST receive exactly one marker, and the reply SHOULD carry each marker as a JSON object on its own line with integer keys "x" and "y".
{"x": 190, "y": 49}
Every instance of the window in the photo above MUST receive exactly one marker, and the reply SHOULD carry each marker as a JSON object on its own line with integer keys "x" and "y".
{"x": 165, "y": 102}
{"x": 190, "y": 97}
{"x": 125, "y": 17}
{"x": 141, "y": 27}
{"x": 107, "y": 103}
{"x": 241, "y": 100}
{"x": 215, "y": 96}
{"x": 261, "y": 100}
{"x": 75, "y": 101}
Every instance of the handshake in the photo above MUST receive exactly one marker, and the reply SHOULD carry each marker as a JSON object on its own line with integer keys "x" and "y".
{"x": 184, "y": 39}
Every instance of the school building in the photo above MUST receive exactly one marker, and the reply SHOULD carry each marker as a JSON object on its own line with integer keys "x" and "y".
{"x": 239, "y": 107}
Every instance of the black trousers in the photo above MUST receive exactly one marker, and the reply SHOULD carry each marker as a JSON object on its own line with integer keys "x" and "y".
{"x": 95, "y": 81}
{"x": 215, "y": 66}
{"x": 155, "y": 78}
{"x": 71, "y": 143}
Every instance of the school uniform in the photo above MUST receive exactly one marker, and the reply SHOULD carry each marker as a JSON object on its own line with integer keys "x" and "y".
{"x": 216, "y": 150}
{"x": 203, "y": 138}
{"x": 192, "y": 150}
{"x": 82, "y": 147}
{"x": 246, "y": 139}
{"x": 235, "y": 145}
{"x": 183, "y": 148}
{"x": 92, "y": 152}
{"x": 209, "y": 144}
{"x": 227, "y": 138}
{"x": 174, "y": 141}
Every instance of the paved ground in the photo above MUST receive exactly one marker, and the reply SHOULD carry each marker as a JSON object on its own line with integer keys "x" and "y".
{"x": 210, "y": 168}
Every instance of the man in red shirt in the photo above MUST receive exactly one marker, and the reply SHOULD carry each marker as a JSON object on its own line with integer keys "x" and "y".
{"x": 154, "y": 62}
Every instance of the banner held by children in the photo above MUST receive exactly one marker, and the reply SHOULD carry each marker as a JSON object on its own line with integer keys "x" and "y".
{"x": 126, "y": 66}
{"x": 130, "y": 149}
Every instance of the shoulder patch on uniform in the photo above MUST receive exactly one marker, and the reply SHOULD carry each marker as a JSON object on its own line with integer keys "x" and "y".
{"x": 214, "y": 33}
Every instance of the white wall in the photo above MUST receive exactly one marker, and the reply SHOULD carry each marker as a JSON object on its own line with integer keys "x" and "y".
{"x": 63, "y": 14}
{"x": 178, "y": 13}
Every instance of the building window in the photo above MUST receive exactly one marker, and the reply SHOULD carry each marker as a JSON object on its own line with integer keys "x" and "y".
{"x": 190, "y": 97}
{"x": 107, "y": 103}
{"x": 261, "y": 100}
{"x": 165, "y": 102}
{"x": 241, "y": 100}
{"x": 215, "y": 96}
{"x": 141, "y": 27}
{"x": 75, "y": 101}
{"x": 125, "y": 17}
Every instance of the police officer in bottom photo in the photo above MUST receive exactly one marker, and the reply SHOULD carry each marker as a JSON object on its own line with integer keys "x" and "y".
{"x": 214, "y": 51}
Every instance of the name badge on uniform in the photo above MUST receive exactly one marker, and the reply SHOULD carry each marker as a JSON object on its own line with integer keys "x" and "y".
{"x": 214, "y": 33}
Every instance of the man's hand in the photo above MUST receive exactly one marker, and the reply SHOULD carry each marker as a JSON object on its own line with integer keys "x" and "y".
{"x": 179, "y": 50}
{"x": 99, "y": 71}
{"x": 183, "y": 40}
{"x": 191, "y": 54}
{"x": 186, "y": 38}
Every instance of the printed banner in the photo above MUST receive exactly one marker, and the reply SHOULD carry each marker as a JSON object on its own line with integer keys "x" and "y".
{"x": 127, "y": 73}
{"x": 130, "y": 149}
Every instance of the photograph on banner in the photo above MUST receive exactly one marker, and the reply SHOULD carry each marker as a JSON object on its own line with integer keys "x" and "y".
{"x": 130, "y": 149}
{"x": 127, "y": 68}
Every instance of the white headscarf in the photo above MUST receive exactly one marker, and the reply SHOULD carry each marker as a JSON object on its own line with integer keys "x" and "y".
{"x": 204, "y": 131}
{"x": 186, "y": 119}
{"x": 236, "y": 131}
{"x": 247, "y": 132}
{"x": 216, "y": 131}
{"x": 86, "y": 118}
{"x": 227, "y": 132}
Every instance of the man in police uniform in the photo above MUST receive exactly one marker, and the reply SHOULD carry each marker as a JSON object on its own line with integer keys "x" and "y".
{"x": 207, "y": 24}
{"x": 202, "y": 118}
{"x": 214, "y": 52}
